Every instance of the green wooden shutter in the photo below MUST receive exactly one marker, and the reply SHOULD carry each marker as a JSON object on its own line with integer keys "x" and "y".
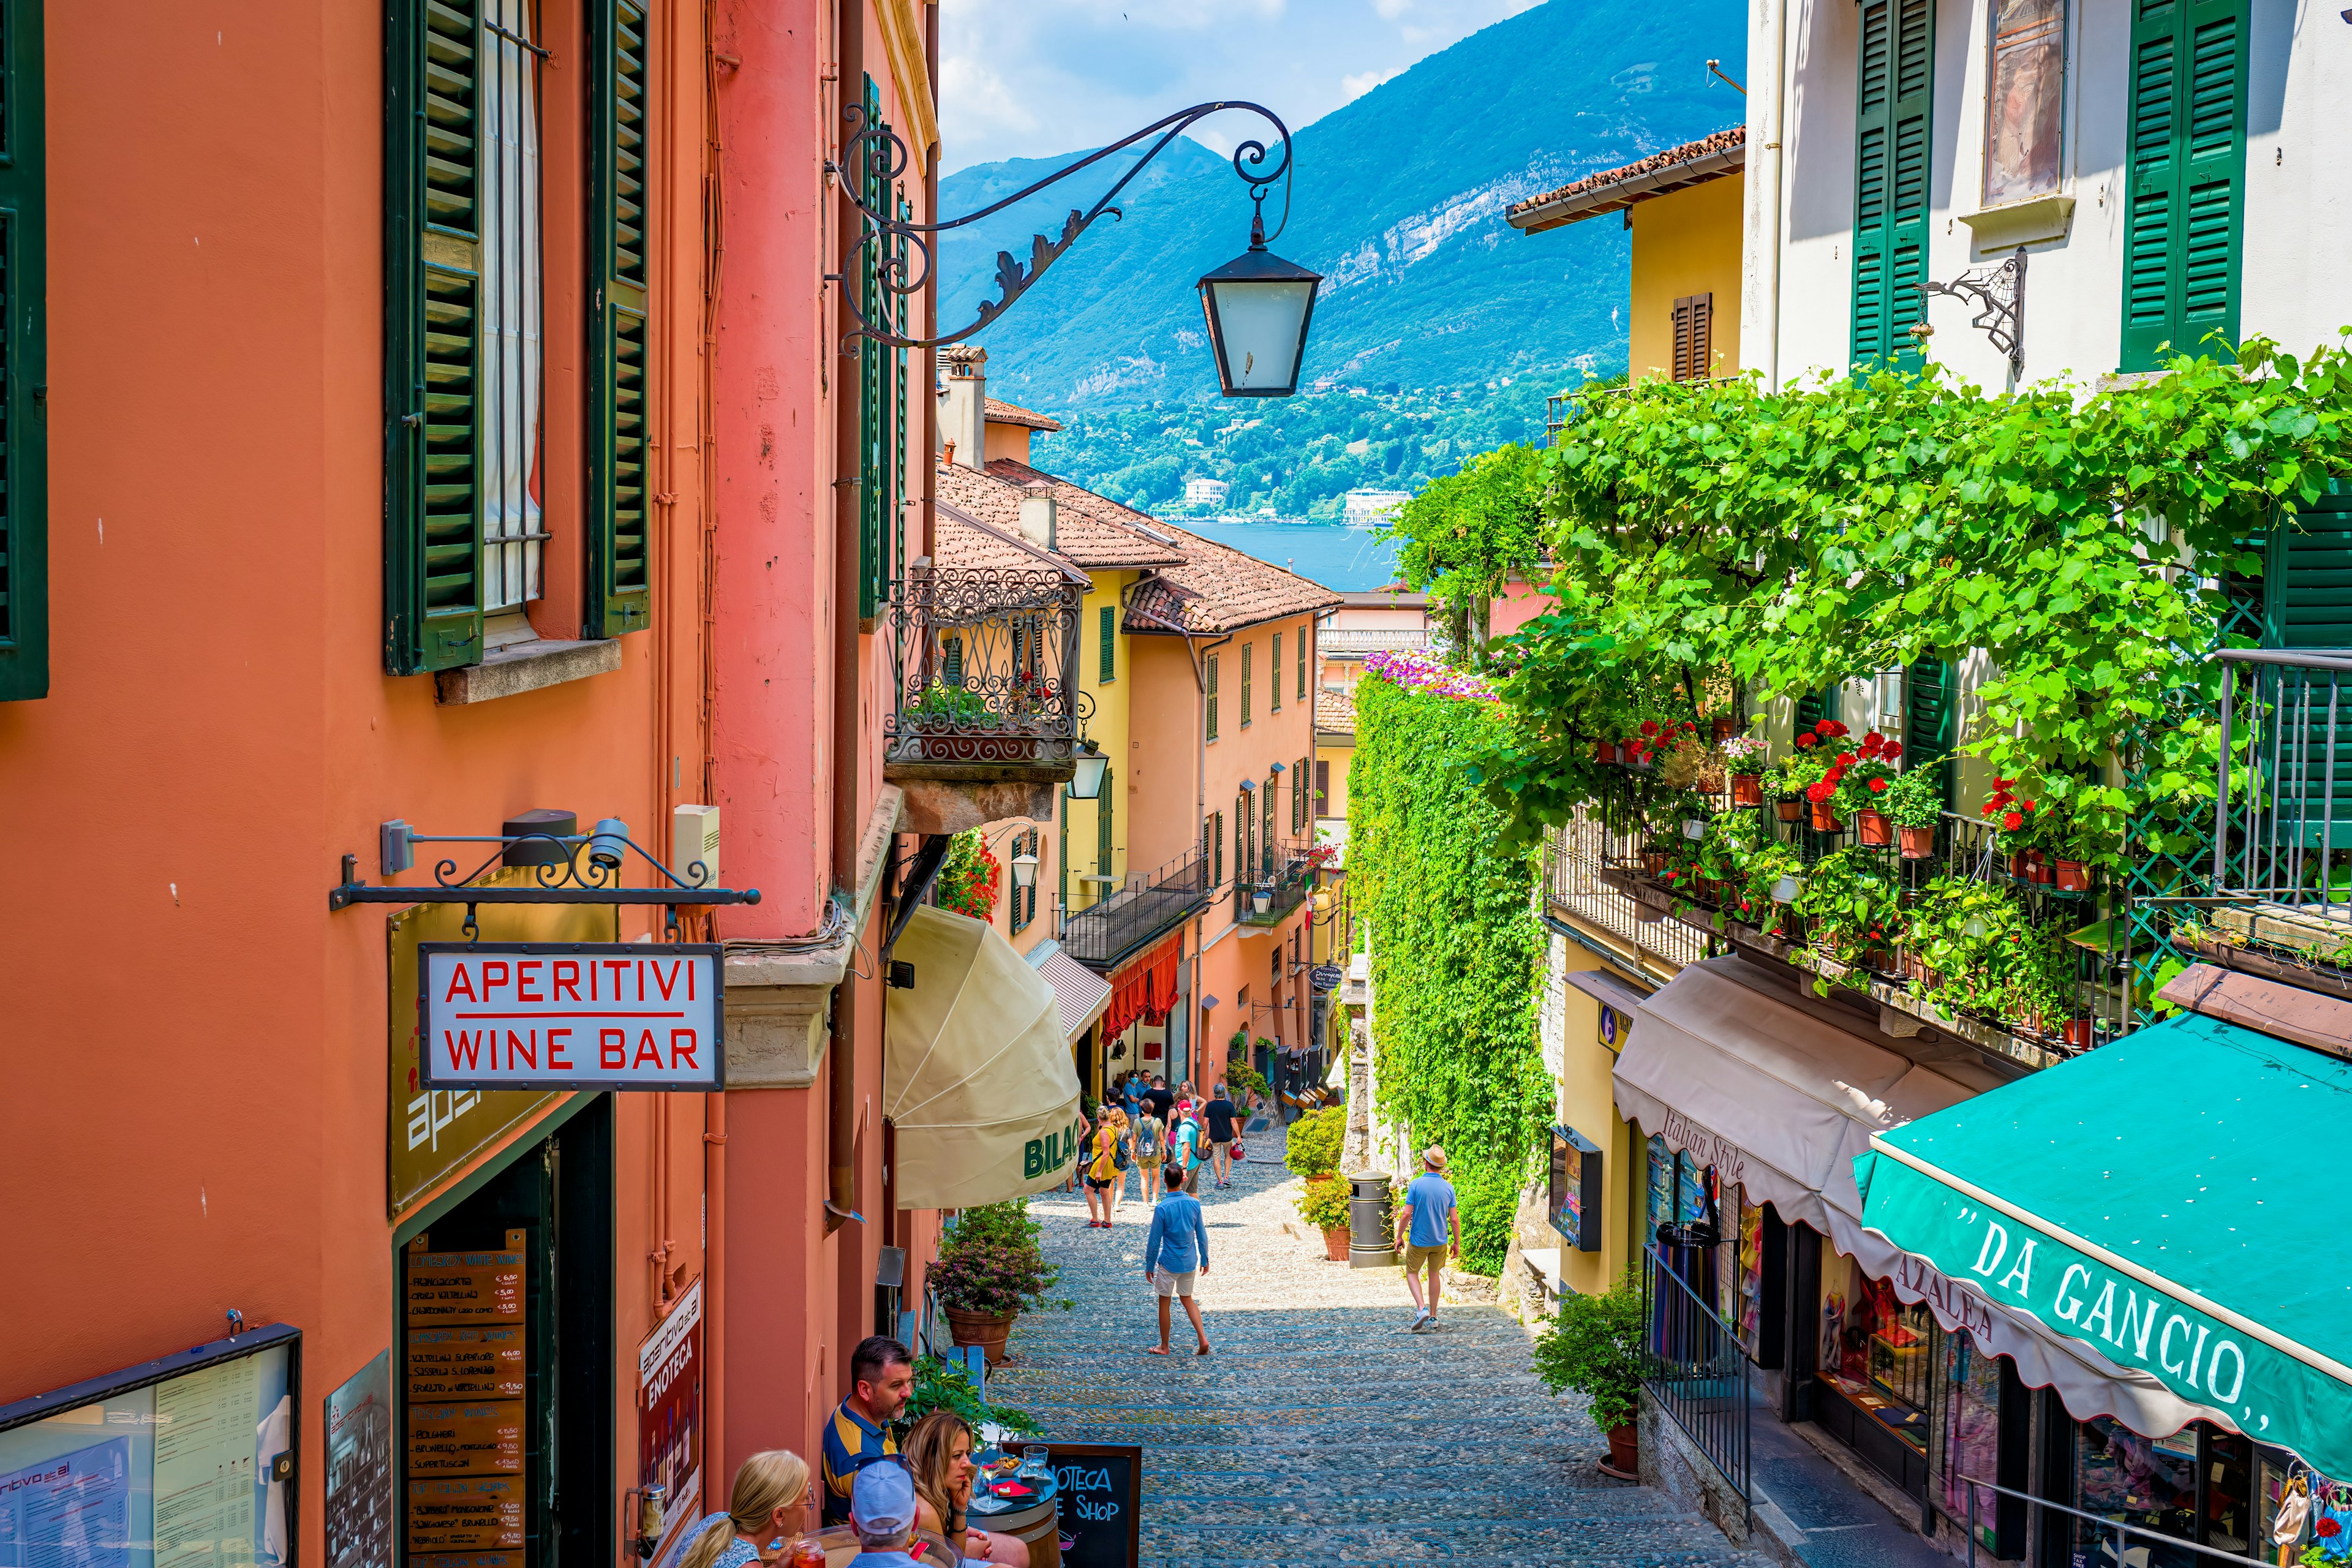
{"x": 1208, "y": 680}
{"x": 23, "y": 359}
{"x": 1931, "y": 720}
{"x": 1103, "y": 829}
{"x": 1266, "y": 835}
{"x": 1273, "y": 677}
{"x": 1298, "y": 790}
{"x": 2186, "y": 210}
{"x": 1890, "y": 199}
{"x": 1107, "y": 619}
{"x": 1247, "y": 648}
{"x": 620, "y": 595}
{"x": 1302, "y": 663}
{"x": 2307, "y": 576}
{"x": 1815, "y": 706}
{"x": 433, "y": 342}
{"x": 2308, "y": 604}
{"x": 879, "y": 415}
{"x": 1219, "y": 865}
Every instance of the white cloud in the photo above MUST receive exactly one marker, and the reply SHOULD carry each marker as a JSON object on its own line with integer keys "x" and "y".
{"x": 1362, "y": 82}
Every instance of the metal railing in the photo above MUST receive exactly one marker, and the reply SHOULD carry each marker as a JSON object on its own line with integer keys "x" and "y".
{"x": 2283, "y": 808}
{"x": 1106, "y": 931}
{"x": 2113, "y": 1535}
{"x": 1697, "y": 1369}
{"x": 984, "y": 673}
{"x": 1574, "y": 857}
{"x": 1354, "y": 643}
{"x": 1283, "y": 871}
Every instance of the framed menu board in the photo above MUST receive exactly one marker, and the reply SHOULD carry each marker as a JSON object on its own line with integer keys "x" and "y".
{"x": 184, "y": 1462}
{"x": 464, "y": 1365}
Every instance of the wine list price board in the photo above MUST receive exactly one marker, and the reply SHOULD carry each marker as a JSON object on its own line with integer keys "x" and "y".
{"x": 465, "y": 1363}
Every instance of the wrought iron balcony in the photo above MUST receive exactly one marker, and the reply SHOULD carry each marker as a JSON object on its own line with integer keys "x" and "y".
{"x": 1282, "y": 874}
{"x": 984, "y": 667}
{"x": 1107, "y": 933}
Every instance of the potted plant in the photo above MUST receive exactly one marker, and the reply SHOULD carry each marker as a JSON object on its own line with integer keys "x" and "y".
{"x": 990, "y": 1270}
{"x": 1323, "y": 1204}
{"x": 940, "y": 706}
{"x": 2019, "y": 828}
{"x": 2076, "y": 842}
{"x": 1827, "y": 746}
{"x": 1854, "y": 905}
{"x": 1798, "y": 774}
{"x": 1869, "y": 773}
{"x": 1313, "y": 1147}
{"x": 1745, "y": 758}
{"x": 969, "y": 877}
{"x": 1593, "y": 1347}
{"x": 1915, "y": 803}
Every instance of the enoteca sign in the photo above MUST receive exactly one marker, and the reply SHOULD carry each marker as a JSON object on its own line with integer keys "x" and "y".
{"x": 637, "y": 1015}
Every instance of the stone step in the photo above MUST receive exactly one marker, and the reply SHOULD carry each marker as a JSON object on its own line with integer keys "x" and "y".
{"x": 1499, "y": 1500}
{"x": 1724, "y": 1558}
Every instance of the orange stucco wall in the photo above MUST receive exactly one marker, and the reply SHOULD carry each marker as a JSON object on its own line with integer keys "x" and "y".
{"x": 198, "y": 1109}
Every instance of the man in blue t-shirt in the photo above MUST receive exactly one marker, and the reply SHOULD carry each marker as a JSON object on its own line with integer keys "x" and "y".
{"x": 1428, "y": 1226}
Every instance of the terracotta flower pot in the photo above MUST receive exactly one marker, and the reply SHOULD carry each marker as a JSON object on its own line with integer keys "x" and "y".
{"x": 2043, "y": 873}
{"x": 1919, "y": 843}
{"x": 1825, "y": 820}
{"x": 989, "y": 1331}
{"x": 1747, "y": 789}
{"x": 2079, "y": 1033}
{"x": 2074, "y": 877}
{"x": 1625, "y": 1459}
{"x": 1876, "y": 832}
{"x": 1335, "y": 1243}
{"x": 1604, "y": 751}
{"x": 2021, "y": 866}
{"x": 1790, "y": 807}
{"x": 1723, "y": 728}
{"x": 1654, "y": 861}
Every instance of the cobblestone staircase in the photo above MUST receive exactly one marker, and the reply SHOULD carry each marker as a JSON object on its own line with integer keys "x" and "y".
{"x": 1322, "y": 1431}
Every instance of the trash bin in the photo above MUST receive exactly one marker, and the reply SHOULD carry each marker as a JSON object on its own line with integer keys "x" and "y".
{"x": 1369, "y": 1227}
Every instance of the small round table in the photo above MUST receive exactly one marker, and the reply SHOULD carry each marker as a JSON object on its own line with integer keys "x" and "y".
{"x": 1039, "y": 1524}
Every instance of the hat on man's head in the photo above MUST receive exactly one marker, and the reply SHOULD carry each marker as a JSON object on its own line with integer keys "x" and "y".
{"x": 882, "y": 1500}
{"x": 1433, "y": 1157}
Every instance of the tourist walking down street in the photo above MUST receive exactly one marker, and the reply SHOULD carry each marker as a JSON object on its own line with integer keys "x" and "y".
{"x": 1101, "y": 1168}
{"x": 1163, "y": 1100}
{"x": 1221, "y": 1113}
{"x": 1188, "y": 1144}
{"x": 1122, "y": 1160}
{"x": 1428, "y": 1225}
{"x": 1151, "y": 1149}
{"x": 1175, "y": 1252}
{"x": 881, "y": 1376}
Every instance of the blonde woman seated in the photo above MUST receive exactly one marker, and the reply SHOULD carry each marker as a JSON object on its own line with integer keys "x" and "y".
{"x": 771, "y": 1503}
{"x": 938, "y": 1456}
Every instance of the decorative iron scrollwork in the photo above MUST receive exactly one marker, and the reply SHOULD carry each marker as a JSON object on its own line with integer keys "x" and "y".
{"x": 899, "y": 237}
{"x": 1999, "y": 292}
{"x": 983, "y": 663}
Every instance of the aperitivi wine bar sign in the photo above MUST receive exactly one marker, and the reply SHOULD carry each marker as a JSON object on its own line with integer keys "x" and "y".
{"x": 633, "y": 1016}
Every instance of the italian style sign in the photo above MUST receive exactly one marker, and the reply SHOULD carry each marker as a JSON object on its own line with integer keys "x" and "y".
{"x": 577, "y": 1015}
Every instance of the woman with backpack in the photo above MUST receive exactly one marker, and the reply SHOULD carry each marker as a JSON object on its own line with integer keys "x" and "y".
{"x": 1099, "y": 1167}
{"x": 1122, "y": 1158}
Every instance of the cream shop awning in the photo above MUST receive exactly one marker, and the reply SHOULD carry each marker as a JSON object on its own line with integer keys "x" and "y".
{"x": 977, "y": 1075}
{"x": 1784, "y": 1102}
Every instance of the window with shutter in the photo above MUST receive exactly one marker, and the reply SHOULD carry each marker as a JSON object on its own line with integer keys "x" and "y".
{"x": 1108, "y": 670}
{"x": 1103, "y": 825}
{"x": 1815, "y": 706}
{"x": 1694, "y": 337}
{"x": 1274, "y": 671}
{"x": 1217, "y": 862}
{"x": 620, "y": 598}
{"x": 1265, "y": 836}
{"x": 1247, "y": 648}
{"x": 433, "y": 352}
{"x": 1245, "y": 830}
{"x": 2307, "y": 575}
{"x": 881, "y": 385}
{"x": 23, "y": 358}
{"x": 1322, "y": 787}
{"x": 1931, "y": 720}
{"x": 1302, "y": 664}
{"x": 1890, "y": 200}
{"x": 1209, "y": 695}
{"x": 1298, "y": 792}
{"x": 951, "y": 661}
{"x": 2186, "y": 204}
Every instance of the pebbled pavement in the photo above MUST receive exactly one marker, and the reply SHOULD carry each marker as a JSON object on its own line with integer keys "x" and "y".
{"x": 1322, "y": 1433}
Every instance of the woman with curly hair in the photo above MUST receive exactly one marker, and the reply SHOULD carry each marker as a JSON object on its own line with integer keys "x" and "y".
{"x": 938, "y": 1456}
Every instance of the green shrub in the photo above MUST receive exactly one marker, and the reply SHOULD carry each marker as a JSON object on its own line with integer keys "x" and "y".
{"x": 1323, "y": 1202}
{"x": 990, "y": 1261}
{"x": 1490, "y": 1202}
{"x": 943, "y": 1385}
{"x": 1315, "y": 1140}
{"x": 1594, "y": 1347}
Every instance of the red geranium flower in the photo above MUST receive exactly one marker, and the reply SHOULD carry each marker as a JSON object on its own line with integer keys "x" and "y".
{"x": 1818, "y": 793}
{"x": 1649, "y": 726}
{"x": 1892, "y": 750}
{"x": 1835, "y": 728}
{"x": 1826, "y": 727}
{"x": 2327, "y": 1527}
{"x": 1804, "y": 742}
{"x": 2011, "y": 821}
{"x": 1879, "y": 787}
{"x": 2025, "y": 805}
{"x": 2002, "y": 784}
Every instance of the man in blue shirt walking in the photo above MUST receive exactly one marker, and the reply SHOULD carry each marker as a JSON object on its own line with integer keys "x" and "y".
{"x": 1176, "y": 1250}
{"x": 1428, "y": 1224}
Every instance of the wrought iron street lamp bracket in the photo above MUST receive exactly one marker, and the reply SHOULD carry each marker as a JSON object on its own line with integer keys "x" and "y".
{"x": 1998, "y": 292}
{"x": 560, "y": 878}
{"x": 897, "y": 236}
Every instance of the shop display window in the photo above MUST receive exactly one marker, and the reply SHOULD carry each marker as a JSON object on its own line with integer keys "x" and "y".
{"x": 2280, "y": 1473}
{"x": 1875, "y": 1351}
{"x": 1966, "y": 1437}
{"x": 2193, "y": 1486}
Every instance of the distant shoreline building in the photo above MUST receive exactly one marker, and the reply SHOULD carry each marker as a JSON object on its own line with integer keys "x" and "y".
{"x": 1366, "y": 508}
{"x": 1205, "y": 492}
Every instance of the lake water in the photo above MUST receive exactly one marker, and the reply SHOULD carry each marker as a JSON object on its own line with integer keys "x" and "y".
{"x": 1346, "y": 559}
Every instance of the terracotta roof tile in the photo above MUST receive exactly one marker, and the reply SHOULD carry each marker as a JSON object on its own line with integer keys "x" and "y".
{"x": 956, "y": 542}
{"x": 1596, "y": 186}
{"x": 1216, "y": 588}
{"x": 1091, "y": 529}
{"x": 1335, "y": 712}
{"x": 999, "y": 412}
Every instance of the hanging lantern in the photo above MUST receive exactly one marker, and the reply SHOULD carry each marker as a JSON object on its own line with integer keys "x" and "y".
{"x": 1258, "y": 307}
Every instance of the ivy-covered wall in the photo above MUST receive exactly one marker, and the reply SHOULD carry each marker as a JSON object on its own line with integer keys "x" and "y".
{"x": 1457, "y": 951}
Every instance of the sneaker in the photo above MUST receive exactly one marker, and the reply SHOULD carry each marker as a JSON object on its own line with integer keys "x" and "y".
{"x": 1420, "y": 1319}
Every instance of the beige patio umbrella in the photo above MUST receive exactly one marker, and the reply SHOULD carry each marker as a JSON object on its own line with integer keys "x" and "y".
{"x": 977, "y": 1074}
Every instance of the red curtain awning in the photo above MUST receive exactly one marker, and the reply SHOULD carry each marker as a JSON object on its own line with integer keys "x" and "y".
{"x": 1145, "y": 990}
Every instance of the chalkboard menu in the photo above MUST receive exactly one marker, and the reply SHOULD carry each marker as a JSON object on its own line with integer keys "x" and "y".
{"x": 1100, "y": 1485}
{"x": 463, "y": 1365}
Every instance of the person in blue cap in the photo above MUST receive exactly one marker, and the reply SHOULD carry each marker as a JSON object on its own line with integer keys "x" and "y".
{"x": 882, "y": 1511}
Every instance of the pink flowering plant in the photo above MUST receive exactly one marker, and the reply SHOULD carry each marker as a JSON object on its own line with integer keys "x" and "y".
{"x": 1425, "y": 672}
{"x": 1746, "y": 756}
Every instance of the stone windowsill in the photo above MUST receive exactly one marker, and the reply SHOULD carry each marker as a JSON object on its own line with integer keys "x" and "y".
{"x": 526, "y": 667}
{"x": 2013, "y": 224}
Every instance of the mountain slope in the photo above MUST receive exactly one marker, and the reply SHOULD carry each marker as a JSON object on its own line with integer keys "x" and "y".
{"x": 1398, "y": 201}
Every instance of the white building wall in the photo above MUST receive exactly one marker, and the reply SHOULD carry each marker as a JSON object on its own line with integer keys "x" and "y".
{"x": 2298, "y": 204}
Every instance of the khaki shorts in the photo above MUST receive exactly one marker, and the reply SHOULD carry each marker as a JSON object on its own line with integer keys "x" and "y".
{"x": 1421, "y": 1256}
{"x": 1172, "y": 1284}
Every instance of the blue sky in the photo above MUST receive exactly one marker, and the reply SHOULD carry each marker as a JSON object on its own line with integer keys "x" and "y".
{"x": 1037, "y": 78}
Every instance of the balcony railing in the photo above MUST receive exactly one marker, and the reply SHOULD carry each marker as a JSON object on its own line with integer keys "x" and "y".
{"x": 984, "y": 667}
{"x": 2283, "y": 811}
{"x": 1283, "y": 872}
{"x": 1358, "y": 642}
{"x": 1106, "y": 933}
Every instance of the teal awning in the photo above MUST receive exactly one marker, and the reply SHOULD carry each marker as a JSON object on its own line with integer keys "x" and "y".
{"x": 2172, "y": 1199}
